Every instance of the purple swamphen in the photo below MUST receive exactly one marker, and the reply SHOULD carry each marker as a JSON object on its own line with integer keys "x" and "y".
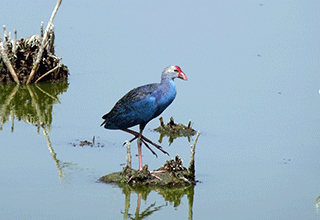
{"x": 142, "y": 104}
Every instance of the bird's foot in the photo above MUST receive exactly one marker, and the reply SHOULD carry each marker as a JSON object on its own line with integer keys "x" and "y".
{"x": 156, "y": 176}
{"x": 156, "y": 171}
{"x": 130, "y": 178}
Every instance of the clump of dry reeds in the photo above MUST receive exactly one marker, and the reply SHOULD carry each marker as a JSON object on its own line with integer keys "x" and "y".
{"x": 32, "y": 59}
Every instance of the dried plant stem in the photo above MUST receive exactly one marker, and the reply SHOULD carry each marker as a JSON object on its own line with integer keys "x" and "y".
{"x": 191, "y": 166}
{"x": 128, "y": 154}
{"x": 43, "y": 44}
{"x": 50, "y": 71}
{"x": 7, "y": 62}
{"x": 14, "y": 45}
{"x": 5, "y": 33}
{"x": 41, "y": 30}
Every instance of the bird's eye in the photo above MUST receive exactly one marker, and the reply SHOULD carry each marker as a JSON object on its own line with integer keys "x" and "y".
{"x": 176, "y": 70}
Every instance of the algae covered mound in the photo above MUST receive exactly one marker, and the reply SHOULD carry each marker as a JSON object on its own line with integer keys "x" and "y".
{"x": 172, "y": 173}
{"x": 173, "y": 130}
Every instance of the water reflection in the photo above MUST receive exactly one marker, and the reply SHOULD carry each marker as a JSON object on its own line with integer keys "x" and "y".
{"x": 317, "y": 205}
{"x": 172, "y": 137}
{"x": 32, "y": 104}
{"x": 172, "y": 196}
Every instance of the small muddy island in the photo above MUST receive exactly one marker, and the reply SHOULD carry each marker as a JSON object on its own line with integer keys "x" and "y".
{"x": 172, "y": 173}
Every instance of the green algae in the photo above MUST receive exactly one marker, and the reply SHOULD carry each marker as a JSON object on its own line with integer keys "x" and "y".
{"x": 172, "y": 173}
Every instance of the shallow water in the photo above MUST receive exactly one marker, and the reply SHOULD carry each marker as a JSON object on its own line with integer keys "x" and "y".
{"x": 253, "y": 92}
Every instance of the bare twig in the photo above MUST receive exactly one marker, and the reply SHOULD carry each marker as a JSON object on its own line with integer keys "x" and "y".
{"x": 5, "y": 33}
{"x": 50, "y": 71}
{"x": 191, "y": 167}
{"x": 128, "y": 154}
{"x": 7, "y": 62}
{"x": 14, "y": 46}
{"x": 43, "y": 43}
{"x": 161, "y": 122}
{"x": 41, "y": 30}
{"x": 54, "y": 57}
{"x": 50, "y": 47}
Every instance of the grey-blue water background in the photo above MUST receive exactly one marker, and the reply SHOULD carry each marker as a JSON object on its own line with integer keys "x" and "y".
{"x": 253, "y": 92}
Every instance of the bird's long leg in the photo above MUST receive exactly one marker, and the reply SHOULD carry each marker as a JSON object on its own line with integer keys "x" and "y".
{"x": 154, "y": 153}
{"x": 140, "y": 159}
{"x": 136, "y": 134}
{"x": 131, "y": 132}
{"x": 143, "y": 139}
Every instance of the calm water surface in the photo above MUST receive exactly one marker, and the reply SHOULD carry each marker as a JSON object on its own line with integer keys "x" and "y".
{"x": 253, "y": 92}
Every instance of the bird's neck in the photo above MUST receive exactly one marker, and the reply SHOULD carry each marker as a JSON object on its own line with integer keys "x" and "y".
{"x": 166, "y": 80}
{"x": 164, "y": 95}
{"x": 167, "y": 84}
{"x": 167, "y": 89}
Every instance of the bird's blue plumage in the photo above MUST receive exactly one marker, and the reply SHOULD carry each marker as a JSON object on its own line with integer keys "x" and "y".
{"x": 143, "y": 103}
{"x": 140, "y": 105}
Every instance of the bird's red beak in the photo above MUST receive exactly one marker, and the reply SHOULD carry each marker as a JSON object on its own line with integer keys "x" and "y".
{"x": 182, "y": 76}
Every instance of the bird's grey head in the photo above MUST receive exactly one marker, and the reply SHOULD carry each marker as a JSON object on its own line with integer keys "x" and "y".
{"x": 173, "y": 72}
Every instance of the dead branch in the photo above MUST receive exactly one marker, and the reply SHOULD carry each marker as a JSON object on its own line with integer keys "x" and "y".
{"x": 7, "y": 62}
{"x": 50, "y": 71}
{"x": 43, "y": 44}
{"x": 128, "y": 154}
{"x": 191, "y": 166}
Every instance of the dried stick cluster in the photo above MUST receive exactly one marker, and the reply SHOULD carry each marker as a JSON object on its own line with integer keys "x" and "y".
{"x": 32, "y": 59}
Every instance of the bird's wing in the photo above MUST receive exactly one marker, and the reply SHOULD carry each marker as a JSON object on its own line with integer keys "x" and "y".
{"x": 134, "y": 96}
{"x": 137, "y": 94}
{"x": 136, "y": 107}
